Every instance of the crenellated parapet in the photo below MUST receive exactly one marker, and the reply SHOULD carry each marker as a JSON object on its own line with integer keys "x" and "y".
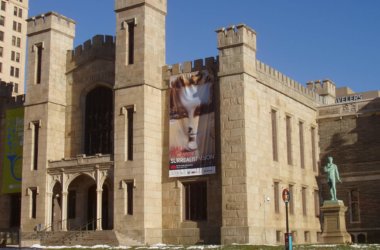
{"x": 210, "y": 63}
{"x": 235, "y": 36}
{"x": 51, "y": 21}
{"x": 99, "y": 47}
{"x": 283, "y": 83}
{"x": 6, "y": 95}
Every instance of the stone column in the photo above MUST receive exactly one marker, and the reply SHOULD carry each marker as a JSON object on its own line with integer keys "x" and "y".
{"x": 64, "y": 211}
{"x": 334, "y": 224}
{"x": 99, "y": 193}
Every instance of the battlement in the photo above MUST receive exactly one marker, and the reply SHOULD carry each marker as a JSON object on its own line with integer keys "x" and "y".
{"x": 324, "y": 87}
{"x": 288, "y": 83}
{"x": 236, "y": 36}
{"x": 6, "y": 90}
{"x": 121, "y": 5}
{"x": 209, "y": 63}
{"x": 100, "y": 46}
{"x": 51, "y": 20}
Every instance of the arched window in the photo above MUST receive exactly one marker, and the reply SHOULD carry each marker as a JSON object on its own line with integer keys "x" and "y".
{"x": 99, "y": 121}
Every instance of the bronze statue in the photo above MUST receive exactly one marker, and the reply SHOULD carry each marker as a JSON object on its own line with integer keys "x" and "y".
{"x": 332, "y": 175}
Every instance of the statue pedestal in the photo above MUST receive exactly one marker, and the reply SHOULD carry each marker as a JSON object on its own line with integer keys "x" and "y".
{"x": 334, "y": 224}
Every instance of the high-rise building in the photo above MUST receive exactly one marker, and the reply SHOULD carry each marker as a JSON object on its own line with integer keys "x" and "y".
{"x": 13, "y": 14}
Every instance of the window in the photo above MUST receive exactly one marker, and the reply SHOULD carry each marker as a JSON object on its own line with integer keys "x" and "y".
{"x": 35, "y": 138}
{"x": 313, "y": 150}
{"x": 14, "y": 25}
{"x": 13, "y": 40}
{"x": 289, "y": 139}
{"x": 307, "y": 236}
{"x": 291, "y": 200}
{"x": 130, "y": 111}
{"x": 12, "y": 71}
{"x": 131, "y": 41}
{"x": 302, "y": 149}
{"x": 19, "y": 27}
{"x": 33, "y": 202}
{"x": 276, "y": 189}
{"x": 1, "y": 67}
{"x": 17, "y": 72}
{"x": 1, "y": 35}
{"x": 18, "y": 44}
{"x": 354, "y": 206}
{"x": 15, "y": 88}
{"x": 1, "y": 51}
{"x": 20, "y": 12}
{"x": 195, "y": 201}
{"x": 304, "y": 207}
{"x": 39, "y": 49}
{"x": 278, "y": 236}
{"x": 129, "y": 198}
{"x": 316, "y": 203}
{"x": 3, "y": 5}
{"x": 15, "y": 56}
{"x": 2, "y": 20}
{"x": 274, "y": 135}
{"x": 71, "y": 204}
{"x": 15, "y": 11}
{"x": 99, "y": 121}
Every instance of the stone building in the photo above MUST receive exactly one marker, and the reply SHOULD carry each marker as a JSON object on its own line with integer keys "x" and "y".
{"x": 114, "y": 143}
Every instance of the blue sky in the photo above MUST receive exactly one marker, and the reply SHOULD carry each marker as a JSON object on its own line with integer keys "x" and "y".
{"x": 304, "y": 39}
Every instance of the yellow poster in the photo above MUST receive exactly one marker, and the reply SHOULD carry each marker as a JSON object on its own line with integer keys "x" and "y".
{"x": 12, "y": 157}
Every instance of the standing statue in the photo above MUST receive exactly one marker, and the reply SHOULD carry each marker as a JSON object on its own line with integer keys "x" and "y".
{"x": 332, "y": 173}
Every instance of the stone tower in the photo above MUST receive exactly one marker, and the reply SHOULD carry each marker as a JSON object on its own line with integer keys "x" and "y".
{"x": 140, "y": 55}
{"x": 237, "y": 60}
{"x": 50, "y": 36}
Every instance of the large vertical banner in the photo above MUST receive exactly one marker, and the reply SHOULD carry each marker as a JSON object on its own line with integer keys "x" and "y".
{"x": 12, "y": 161}
{"x": 192, "y": 125}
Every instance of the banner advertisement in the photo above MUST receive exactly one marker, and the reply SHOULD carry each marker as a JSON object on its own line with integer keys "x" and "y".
{"x": 192, "y": 125}
{"x": 12, "y": 161}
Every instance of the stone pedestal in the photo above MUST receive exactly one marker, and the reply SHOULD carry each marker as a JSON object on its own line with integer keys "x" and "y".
{"x": 334, "y": 224}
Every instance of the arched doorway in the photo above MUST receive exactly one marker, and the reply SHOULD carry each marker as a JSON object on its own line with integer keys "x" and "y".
{"x": 56, "y": 210}
{"x": 99, "y": 121}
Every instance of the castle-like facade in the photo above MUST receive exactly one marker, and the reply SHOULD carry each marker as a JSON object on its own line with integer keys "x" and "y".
{"x": 116, "y": 141}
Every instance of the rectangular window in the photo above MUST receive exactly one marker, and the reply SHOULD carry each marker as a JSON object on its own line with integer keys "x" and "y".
{"x": 130, "y": 111}
{"x": 15, "y": 11}
{"x": 276, "y": 189}
{"x": 17, "y": 59}
{"x": 19, "y": 27}
{"x": 13, "y": 40}
{"x": 18, "y": 43}
{"x": 354, "y": 206}
{"x": 33, "y": 203}
{"x": 313, "y": 149}
{"x": 304, "y": 207}
{"x": 13, "y": 55}
{"x": 38, "y": 50}
{"x": 12, "y": 71}
{"x": 131, "y": 42}
{"x": 36, "y": 131}
{"x": 1, "y": 67}
{"x": 15, "y": 206}
{"x": 291, "y": 201}
{"x": 1, "y": 51}
{"x": 3, "y": 5}
{"x": 307, "y": 236}
{"x": 1, "y": 35}
{"x": 17, "y": 72}
{"x": 278, "y": 236}
{"x": 15, "y": 25}
{"x": 316, "y": 203}
{"x": 2, "y": 20}
{"x": 302, "y": 148}
{"x": 289, "y": 139}
{"x": 71, "y": 204}
{"x": 15, "y": 88}
{"x": 274, "y": 135}
{"x": 195, "y": 201}
{"x": 130, "y": 198}
{"x": 20, "y": 13}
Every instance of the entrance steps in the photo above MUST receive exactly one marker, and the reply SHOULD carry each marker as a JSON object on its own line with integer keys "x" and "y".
{"x": 83, "y": 238}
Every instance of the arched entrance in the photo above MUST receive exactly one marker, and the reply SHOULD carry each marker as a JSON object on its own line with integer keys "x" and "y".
{"x": 84, "y": 210}
{"x": 56, "y": 210}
